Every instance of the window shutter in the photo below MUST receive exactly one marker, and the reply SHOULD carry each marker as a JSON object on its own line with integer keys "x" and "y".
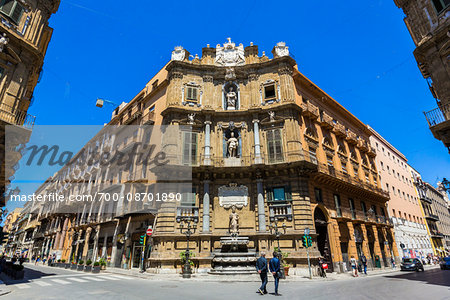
{"x": 17, "y": 13}
{"x": 7, "y": 7}
{"x": 194, "y": 93}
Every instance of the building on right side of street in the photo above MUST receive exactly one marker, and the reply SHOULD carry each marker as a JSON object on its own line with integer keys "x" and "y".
{"x": 403, "y": 206}
{"x": 428, "y": 23}
{"x": 435, "y": 210}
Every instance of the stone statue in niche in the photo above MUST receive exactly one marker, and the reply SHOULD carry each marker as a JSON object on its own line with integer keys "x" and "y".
{"x": 232, "y": 146}
{"x": 191, "y": 118}
{"x": 3, "y": 42}
{"x": 234, "y": 221}
{"x": 231, "y": 99}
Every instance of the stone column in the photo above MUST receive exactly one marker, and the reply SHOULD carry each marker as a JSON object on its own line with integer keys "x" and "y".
{"x": 261, "y": 205}
{"x": 206, "y": 206}
{"x": 95, "y": 251}
{"x": 258, "y": 159}
{"x": 86, "y": 243}
{"x": 207, "y": 160}
{"x": 63, "y": 234}
{"x": 114, "y": 247}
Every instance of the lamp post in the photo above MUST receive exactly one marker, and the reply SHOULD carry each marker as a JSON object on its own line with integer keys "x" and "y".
{"x": 446, "y": 184}
{"x": 274, "y": 230}
{"x": 100, "y": 102}
{"x": 188, "y": 230}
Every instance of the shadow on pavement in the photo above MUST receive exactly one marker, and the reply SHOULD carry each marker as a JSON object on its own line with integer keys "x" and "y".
{"x": 435, "y": 276}
{"x": 30, "y": 274}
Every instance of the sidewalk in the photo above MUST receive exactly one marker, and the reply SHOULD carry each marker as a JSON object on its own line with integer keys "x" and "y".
{"x": 247, "y": 278}
{"x": 3, "y": 289}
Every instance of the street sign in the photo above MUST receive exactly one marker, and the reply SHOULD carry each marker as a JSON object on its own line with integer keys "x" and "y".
{"x": 149, "y": 231}
{"x": 307, "y": 231}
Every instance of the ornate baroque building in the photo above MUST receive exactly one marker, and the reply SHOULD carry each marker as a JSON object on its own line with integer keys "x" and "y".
{"x": 428, "y": 23}
{"x": 24, "y": 38}
{"x": 267, "y": 151}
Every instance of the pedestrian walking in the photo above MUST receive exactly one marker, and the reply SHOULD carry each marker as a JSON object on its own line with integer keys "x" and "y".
{"x": 275, "y": 268}
{"x": 364, "y": 263}
{"x": 393, "y": 262}
{"x": 322, "y": 267}
{"x": 37, "y": 260}
{"x": 354, "y": 266}
{"x": 261, "y": 267}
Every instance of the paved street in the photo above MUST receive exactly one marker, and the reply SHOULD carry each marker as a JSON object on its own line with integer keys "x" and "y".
{"x": 43, "y": 282}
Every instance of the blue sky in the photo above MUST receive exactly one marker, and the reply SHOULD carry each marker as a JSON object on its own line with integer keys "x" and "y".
{"x": 359, "y": 52}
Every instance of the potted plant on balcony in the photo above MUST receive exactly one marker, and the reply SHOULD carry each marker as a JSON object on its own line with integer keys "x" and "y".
{"x": 80, "y": 265}
{"x": 88, "y": 267}
{"x": 96, "y": 267}
{"x": 102, "y": 264}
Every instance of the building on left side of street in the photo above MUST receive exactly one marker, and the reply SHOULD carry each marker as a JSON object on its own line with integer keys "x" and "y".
{"x": 403, "y": 206}
{"x": 24, "y": 38}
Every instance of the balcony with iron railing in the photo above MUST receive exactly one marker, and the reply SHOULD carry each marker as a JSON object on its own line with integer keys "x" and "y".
{"x": 438, "y": 115}
{"x": 436, "y": 234}
{"x": 431, "y": 216}
{"x": 185, "y": 212}
{"x": 16, "y": 117}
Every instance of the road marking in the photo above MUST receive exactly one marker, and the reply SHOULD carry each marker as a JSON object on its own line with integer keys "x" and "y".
{"x": 94, "y": 278}
{"x": 121, "y": 277}
{"x": 60, "y": 281}
{"x": 108, "y": 277}
{"x": 42, "y": 283}
{"x": 76, "y": 279}
{"x": 23, "y": 286}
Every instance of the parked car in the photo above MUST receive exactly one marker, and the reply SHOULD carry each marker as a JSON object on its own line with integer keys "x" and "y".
{"x": 411, "y": 264}
{"x": 445, "y": 263}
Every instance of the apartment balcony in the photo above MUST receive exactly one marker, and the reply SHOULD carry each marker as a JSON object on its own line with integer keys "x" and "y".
{"x": 310, "y": 110}
{"x": 16, "y": 117}
{"x": 431, "y": 217}
{"x": 346, "y": 179}
{"x": 326, "y": 121}
{"x": 148, "y": 118}
{"x": 351, "y": 138}
{"x": 280, "y": 210}
{"x": 436, "y": 234}
{"x": 339, "y": 130}
{"x": 372, "y": 152}
{"x": 426, "y": 199}
{"x": 186, "y": 212}
{"x": 363, "y": 144}
{"x": 439, "y": 122}
{"x": 132, "y": 118}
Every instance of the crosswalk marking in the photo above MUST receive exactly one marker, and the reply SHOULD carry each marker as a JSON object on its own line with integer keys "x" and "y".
{"x": 77, "y": 279}
{"x": 108, "y": 277}
{"x": 23, "y": 286}
{"x": 121, "y": 277}
{"x": 42, "y": 283}
{"x": 94, "y": 278}
{"x": 60, "y": 281}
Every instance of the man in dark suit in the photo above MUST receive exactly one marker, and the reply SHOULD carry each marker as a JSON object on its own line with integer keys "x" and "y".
{"x": 261, "y": 267}
{"x": 275, "y": 266}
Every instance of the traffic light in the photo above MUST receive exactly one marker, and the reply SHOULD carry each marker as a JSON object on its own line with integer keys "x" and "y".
{"x": 309, "y": 241}
{"x": 141, "y": 239}
{"x": 305, "y": 241}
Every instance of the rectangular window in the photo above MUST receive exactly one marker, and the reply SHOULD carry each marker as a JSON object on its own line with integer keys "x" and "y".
{"x": 189, "y": 198}
{"x": 330, "y": 160}
{"x": 269, "y": 92}
{"x": 312, "y": 155}
{"x": 152, "y": 108}
{"x": 279, "y": 193}
{"x": 440, "y": 5}
{"x": 352, "y": 208}
{"x": 12, "y": 9}
{"x": 344, "y": 167}
{"x": 274, "y": 145}
{"x": 355, "y": 171}
{"x": 191, "y": 93}
{"x": 318, "y": 194}
{"x": 337, "y": 202}
{"x": 366, "y": 175}
{"x": 189, "y": 148}
{"x": 364, "y": 208}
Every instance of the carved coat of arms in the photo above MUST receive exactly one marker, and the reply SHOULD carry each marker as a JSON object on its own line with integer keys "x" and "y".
{"x": 230, "y": 54}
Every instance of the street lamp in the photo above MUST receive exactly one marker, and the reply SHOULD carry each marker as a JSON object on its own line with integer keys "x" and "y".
{"x": 446, "y": 184}
{"x": 188, "y": 231}
{"x": 274, "y": 230}
{"x": 100, "y": 102}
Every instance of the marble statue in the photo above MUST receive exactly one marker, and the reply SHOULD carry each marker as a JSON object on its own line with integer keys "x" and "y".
{"x": 271, "y": 116}
{"x": 191, "y": 118}
{"x": 234, "y": 221}
{"x": 232, "y": 145}
{"x": 231, "y": 99}
{"x": 178, "y": 53}
{"x": 3, "y": 42}
{"x": 281, "y": 49}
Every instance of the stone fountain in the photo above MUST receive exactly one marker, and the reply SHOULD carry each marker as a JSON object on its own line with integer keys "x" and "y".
{"x": 234, "y": 257}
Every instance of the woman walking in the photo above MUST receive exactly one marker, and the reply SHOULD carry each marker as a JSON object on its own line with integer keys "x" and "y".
{"x": 354, "y": 266}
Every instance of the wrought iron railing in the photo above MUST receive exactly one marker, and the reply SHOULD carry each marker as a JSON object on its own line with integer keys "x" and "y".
{"x": 16, "y": 117}
{"x": 438, "y": 115}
